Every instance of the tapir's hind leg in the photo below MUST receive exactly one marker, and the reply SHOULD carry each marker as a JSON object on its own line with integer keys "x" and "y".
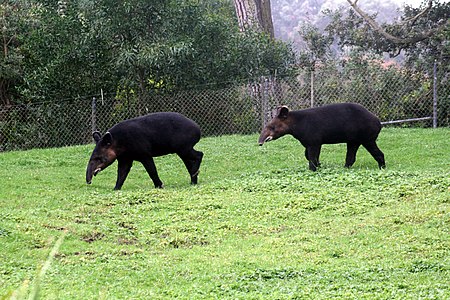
{"x": 376, "y": 153}
{"x": 351, "y": 154}
{"x": 192, "y": 160}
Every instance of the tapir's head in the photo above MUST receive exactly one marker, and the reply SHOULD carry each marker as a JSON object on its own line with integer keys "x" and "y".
{"x": 276, "y": 128}
{"x": 103, "y": 155}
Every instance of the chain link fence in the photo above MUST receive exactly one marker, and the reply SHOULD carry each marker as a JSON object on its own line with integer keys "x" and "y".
{"x": 394, "y": 94}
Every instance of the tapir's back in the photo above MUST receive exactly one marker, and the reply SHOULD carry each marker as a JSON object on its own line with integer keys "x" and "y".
{"x": 336, "y": 123}
{"x": 160, "y": 133}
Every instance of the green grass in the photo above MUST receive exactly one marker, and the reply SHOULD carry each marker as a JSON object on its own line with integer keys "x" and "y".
{"x": 258, "y": 226}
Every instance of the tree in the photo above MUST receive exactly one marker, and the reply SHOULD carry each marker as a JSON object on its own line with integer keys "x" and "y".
{"x": 409, "y": 36}
{"x": 317, "y": 46}
{"x": 420, "y": 36}
{"x": 13, "y": 24}
{"x": 419, "y": 31}
{"x": 192, "y": 43}
{"x": 317, "y": 50}
{"x": 255, "y": 14}
{"x": 53, "y": 49}
{"x": 66, "y": 53}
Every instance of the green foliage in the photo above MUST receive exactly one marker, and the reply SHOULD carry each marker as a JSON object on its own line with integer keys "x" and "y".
{"x": 317, "y": 46}
{"x": 352, "y": 31}
{"x": 45, "y": 125}
{"x": 426, "y": 52}
{"x": 258, "y": 225}
{"x": 66, "y": 54}
{"x": 397, "y": 91}
{"x": 15, "y": 19}
{"x": 67, "y": 49}
{"x": 198, "y": 45}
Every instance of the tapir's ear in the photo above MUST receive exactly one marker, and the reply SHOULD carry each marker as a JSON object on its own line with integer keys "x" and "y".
{"x": 97, "y": 136}
{"x": 282, "y": 112}
{"x": 107, "y": 139}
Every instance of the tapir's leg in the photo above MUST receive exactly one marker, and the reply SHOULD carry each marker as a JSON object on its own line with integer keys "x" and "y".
{"x": 192, "y": 160}
{"x": 149, "y": 165}
{"x": 307, "y": 157}
{"x": 196, "y": 166}
{"x": 376, "y": 153}
{"x": 351, "y": 154}
{"x": 122, "y": 172}
{"x": 313, "y": 156}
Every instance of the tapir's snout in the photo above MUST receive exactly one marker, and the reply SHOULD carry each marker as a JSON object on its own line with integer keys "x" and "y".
{"x": 91, "y": 173}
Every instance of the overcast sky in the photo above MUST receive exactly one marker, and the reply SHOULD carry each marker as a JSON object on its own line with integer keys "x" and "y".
{"x": 413, "y": 3}
{"x": 416, "y": 3}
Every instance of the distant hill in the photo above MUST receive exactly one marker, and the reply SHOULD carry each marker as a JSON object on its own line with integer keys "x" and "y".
{"x": 289, "y": 15}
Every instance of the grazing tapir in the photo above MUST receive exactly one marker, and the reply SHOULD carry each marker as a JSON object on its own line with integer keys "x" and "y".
{"x": 141, "y": 139}
{"x": 331, "y": 124}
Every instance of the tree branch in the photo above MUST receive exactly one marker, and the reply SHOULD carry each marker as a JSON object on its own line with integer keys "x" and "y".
{"x": 394, "y": 39}
{"x": 419, "y": 15}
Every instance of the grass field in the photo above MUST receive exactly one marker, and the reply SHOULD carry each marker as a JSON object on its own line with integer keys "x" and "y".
{"x": 259, "y": 225}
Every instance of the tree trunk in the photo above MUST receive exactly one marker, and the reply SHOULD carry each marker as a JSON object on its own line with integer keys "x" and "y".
{"x": 4, "y": 98}
{"x": 255, "y": 13}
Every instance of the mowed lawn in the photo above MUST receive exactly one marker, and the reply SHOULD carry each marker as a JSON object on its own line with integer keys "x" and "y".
{"x": 259, "y": 225}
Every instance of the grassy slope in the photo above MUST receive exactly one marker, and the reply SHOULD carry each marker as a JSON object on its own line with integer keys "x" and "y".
{"x": 259, "y": 224}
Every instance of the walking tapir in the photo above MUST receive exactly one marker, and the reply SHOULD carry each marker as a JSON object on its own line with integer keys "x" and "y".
{"x": 141, "y": 139}
{"x": 331, "y": 124}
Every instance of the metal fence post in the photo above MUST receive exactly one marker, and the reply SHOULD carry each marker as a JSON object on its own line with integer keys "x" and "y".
{"x": 435, "y": 95}
{"x": 312, "y": 87}
{"x": 264, "y": 101}
{"x": 94, "y": 114}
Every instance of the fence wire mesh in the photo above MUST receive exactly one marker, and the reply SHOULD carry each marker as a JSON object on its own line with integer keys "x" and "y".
{"x": 390, "y": 93}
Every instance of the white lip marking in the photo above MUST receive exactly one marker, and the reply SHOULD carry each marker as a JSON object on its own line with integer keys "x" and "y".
{"x": 96, "y": 171}
{"x": 268, "y": 139}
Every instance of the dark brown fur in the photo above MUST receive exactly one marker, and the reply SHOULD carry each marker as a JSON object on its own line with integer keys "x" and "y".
{"x": 141, "y": 139}
{"x": 348, "y": 123}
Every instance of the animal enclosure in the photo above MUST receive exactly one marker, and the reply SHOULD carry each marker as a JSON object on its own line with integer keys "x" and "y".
{"x": 392, "y": 94}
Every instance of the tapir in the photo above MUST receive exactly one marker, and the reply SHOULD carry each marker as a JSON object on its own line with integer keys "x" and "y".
{"x": 348, "y": 123}
{"x": 143, "y": 138}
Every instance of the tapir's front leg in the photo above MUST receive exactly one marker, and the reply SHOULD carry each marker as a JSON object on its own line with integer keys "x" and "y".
{"x": 313, "y": 156}
{"x": 307, "y": 157}
{"x": 122, "y": 172}
{"x": 192, "y": 160}
{"x": 149, "y": 165}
